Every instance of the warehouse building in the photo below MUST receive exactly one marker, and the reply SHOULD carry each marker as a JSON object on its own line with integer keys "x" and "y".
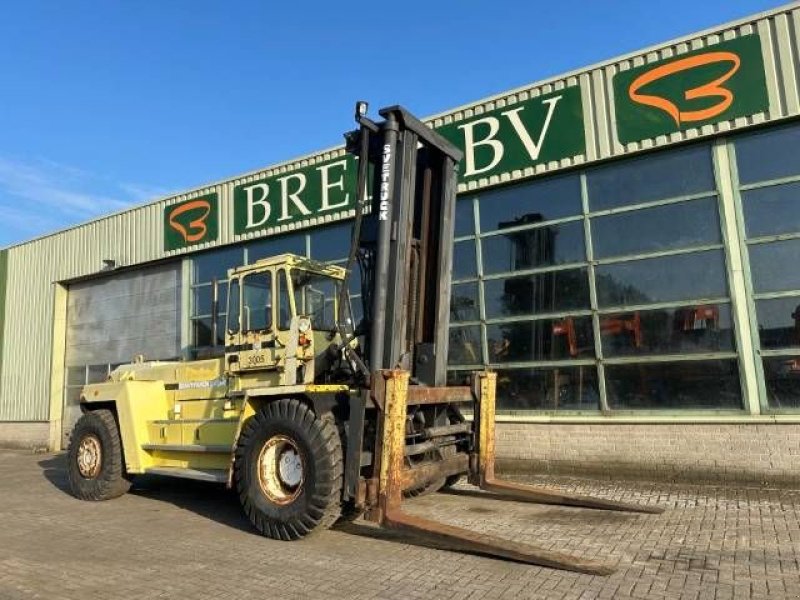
{"x": 627, "y": 258}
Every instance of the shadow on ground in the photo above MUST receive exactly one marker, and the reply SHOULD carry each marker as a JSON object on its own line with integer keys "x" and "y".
{"x": 212, "y": 501}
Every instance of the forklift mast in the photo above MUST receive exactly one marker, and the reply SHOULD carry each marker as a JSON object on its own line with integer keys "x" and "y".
{"x": 407, "y": 188}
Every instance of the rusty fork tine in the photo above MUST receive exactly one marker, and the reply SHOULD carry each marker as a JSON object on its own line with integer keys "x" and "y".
{"x": 464, "y": 540}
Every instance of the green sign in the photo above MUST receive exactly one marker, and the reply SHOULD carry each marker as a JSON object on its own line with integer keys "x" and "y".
{"x": 3, "y": 278}
{"x": 718, "y": 83}
{"x": 191, "y": 222}
{"x": 314, "y": 191}
{"x": 519, "y": 135}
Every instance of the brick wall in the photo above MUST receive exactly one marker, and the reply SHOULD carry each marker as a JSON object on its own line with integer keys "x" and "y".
{"x": 763, "y": 454}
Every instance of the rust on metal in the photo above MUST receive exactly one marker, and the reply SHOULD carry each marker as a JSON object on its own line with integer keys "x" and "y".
{"x": 419, "y": 475}
{"x": 418, "y": 395}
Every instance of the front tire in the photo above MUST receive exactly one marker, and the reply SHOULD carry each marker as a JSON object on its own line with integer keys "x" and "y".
{"x": 94, "y": 460}
{"x": 289, "y": 470}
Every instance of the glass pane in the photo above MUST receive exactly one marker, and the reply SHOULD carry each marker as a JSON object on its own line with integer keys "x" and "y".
{"x": 775, "y": 266}
{"x": 215, "y": 265}
{"x": 769, "y": 154}
{"x": 533, "y": 248}
{"x": 652, "y": 177}
{"x": 548, "y": 339}
{"x": 76, "y": 376}
{"x": 257, "y": 302}
{"x": 465, "y": 219}
{"x": 679, "y": 385}
{"x": 663, "y": 279}
{"x": 331, "y": 243}
{"x": 465, "y": 346}
{"x": 72, "y": 396}
{"x": 543, "y": 200}
{"x": 660, "y": 228}
{"x": 202, "y": 332}
{"x": 97, "y": 373}
{"x": 233, "y": 307}
{"x": 782, "y": 377}
{"x": 772, "y": 210}
{"x": 284, "y": 244}
{"x": 555, "y": 388}
{"x": 555, "y": 291}
{"x": 696, "y": 328}
{"x": 457, "y": 378}
{"x": 284, "y": 303}
{"x": 315, "y": 296}
{"x": 464, "y": 302}
{"x": 779, "y": 322}
{"x": 202, "y": 300}
{"x": 464, "y": 262}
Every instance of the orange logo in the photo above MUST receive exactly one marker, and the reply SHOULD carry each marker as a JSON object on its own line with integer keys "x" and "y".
{"x": 197, "y": 228}
{"x": 712, "y": 89}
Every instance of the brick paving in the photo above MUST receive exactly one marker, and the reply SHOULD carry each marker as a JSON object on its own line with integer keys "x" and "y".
{"x": 176, "y": 539}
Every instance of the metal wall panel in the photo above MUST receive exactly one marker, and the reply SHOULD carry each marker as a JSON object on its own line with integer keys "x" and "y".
{"x": 136, "y": 236}
{"x": 111, "y": 320}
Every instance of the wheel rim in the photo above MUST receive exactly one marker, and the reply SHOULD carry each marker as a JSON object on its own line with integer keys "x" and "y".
{"x": 281, "y": 471}
{"x": 90, "y": 456}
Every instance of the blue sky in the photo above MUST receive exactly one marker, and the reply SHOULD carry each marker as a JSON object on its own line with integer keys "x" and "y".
{"x": 108, "y": 104}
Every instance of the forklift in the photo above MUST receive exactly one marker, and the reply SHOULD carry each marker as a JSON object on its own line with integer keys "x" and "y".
{"x": 310, "y": 416}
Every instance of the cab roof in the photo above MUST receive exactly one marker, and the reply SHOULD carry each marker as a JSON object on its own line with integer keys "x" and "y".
{"x": 292, "y": 261}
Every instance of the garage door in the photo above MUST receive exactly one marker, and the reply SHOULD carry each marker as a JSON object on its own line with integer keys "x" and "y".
{"x": 111, "y": 320}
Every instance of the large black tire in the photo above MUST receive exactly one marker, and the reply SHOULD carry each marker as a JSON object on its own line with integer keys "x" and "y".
{"x": 94, "y": 476}
{"x": 281, "y": 510}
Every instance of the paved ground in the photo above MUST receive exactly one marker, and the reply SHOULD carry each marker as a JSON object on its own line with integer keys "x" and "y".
{"x": 184, "y": 540}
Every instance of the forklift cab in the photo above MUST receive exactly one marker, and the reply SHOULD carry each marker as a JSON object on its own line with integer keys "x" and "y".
{"x": 281, "y": 313}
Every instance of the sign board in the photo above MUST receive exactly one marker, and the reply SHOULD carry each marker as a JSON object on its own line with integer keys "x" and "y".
{"x": 191, "y": 222}
{"x": 519, "y": 135}
{"x": 313, "y": 191}
{"x": 717, "y": 83}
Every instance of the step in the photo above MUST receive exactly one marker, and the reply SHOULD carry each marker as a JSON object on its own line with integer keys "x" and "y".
{"x": 212, "y": 475}
{"x": 208, "y": 449}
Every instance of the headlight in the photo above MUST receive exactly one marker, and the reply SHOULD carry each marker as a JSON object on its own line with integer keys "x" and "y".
{"x": 303, "y": 325}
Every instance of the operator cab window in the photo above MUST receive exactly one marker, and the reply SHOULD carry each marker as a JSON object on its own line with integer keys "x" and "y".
{"x": 257, "y": 302}
{"x": 284, "y": 303}
{"x": 315, "y": 296}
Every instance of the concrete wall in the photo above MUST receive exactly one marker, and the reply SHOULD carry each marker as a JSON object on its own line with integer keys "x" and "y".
{"x": 749, "y": 453}
{"x": 25, "y": 435}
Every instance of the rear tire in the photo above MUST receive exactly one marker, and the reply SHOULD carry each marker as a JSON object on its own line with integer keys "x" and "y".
{"x": 94, "y": 460}
{"x": 289, "y": 470}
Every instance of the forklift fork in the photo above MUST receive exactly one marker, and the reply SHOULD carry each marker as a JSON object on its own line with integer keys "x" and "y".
{"x": 385, "y": 494}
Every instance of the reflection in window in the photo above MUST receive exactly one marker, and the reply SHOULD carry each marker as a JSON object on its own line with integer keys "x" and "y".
{"x": 215, "y": 265}
{"x": 779, "y": 322}
{"x": 464, "y": 261}
{"x": 547, "y": 199}
{"x": 658, "y": 176}
{"x": 202, "y": 300}
{"x": 680, "y": 225}
{"x": 546, "y": 339}
{"x": 464, "y": 302}
{"x": 554, "y": 291}
{"x": 769, "y": 155}
{"x": 679, "y": 385}
{"x": 534, "y": 248}
{"x": 775, "y": 266}
{"x": 465, "y": 218}
{"x": 202, "y": 334}
{"x": 693, "y": 328}
{"x": 662, "y": 279}
{"x": 465, "y": 346}
{"x": 550, "y": 388}
{"x": 782, "y": 377}
{"x": 273, "y": 246}
{"x": 772, "y": 210}
{"x": 257, "y": 302}
{"x": 331, "y": 243}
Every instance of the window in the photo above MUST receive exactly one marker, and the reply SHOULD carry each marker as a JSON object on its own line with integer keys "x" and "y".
{"x": 656, "y": 176}
{"x": 257, "y": 302}
{"x": 768, "y": 165}
{"x": 234, "y": 302}
{"x": 658, "y": 318}
{"x": 331, "y": 243}
{"x": 209, "y": 288}
{"x": 316, "y": 297}
{"x": 284, "y": 303}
